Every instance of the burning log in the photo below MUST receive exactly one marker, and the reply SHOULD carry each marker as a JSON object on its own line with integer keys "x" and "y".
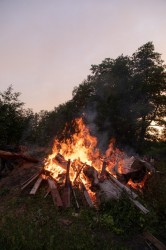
{"x": 10, "y": 155}
{"x": 60, "y": 161}
{"x": 86, "y": 194}
{"x": 92, "y": 174}
{"x": 36, "y": 185}
{"x": 103, "y": 171}
{"x": 67, "y": 188}
{"x": 104, "y": 188}
{"x": 134, "y": 169}
{"x": 54, "y": 192}
{"x": 79, "y": 172}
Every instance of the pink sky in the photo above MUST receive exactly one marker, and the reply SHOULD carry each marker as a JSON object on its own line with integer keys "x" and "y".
{"x": 47, "y": 47}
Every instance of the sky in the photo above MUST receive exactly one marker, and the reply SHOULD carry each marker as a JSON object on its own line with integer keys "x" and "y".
{"x": 47, "y": 47}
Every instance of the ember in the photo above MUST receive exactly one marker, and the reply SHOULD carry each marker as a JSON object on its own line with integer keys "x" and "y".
{"x": 78, "y": 163}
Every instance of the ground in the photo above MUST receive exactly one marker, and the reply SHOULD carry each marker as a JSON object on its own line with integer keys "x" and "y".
{"x": 33, "y": 222}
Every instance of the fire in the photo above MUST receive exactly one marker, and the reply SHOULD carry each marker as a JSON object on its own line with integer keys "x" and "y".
{"x": 82, "y": 149}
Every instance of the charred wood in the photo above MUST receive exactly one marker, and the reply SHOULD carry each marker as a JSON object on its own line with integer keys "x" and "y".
{"x": 67, "y": 188}
{"x": 86, "y": 195}
{"x": 103, "y": 172}
{"x": 75, "y": 198}
{"x": 60, "y": 161}
{"x": 79, "y": 172}
{"x": 92, "y": 174}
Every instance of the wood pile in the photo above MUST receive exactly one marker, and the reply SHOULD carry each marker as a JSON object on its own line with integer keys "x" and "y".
{"x": 88, "y": 185}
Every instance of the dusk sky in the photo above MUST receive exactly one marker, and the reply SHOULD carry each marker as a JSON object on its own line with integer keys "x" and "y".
{"x": 47, "y": 47}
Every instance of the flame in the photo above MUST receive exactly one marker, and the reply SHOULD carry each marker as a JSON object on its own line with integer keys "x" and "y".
{"x": 82, "y": 146}
{"x": 80, "y": 149}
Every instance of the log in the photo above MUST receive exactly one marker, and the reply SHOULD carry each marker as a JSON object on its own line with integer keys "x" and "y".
{"x": 60, "y": 161}
{"x": 11, "y": 155}
{"x": 79, "y": 172}
{"x": 36, "y": 185}
{"x": 108, "y": 190}
{"x": 123, "y": 187}
{"x": 92, "y": 174}
{"x": 55, "y": 193}
{"x": 67, "y": 188}
{"x": 103, "y": 171}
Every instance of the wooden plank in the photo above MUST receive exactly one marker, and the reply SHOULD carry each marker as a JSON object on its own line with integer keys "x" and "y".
{"x": 60, "y": 161}
{"x": 154, "y": 241}
{"x": 86, "y": 195}
{"x": 29, "y": 179}
{"x": 75, "y": 198}
{"x": 32, "y": 179}
{"x": 78, "y": 173}
{"x": 123, "y": 187}
{"x": 67, "y": 188}
{"x": 36, "y": 185}
{"x": 55, "y": 193}
{"x": 140, "y": 206}
{"x": 48, "y": 191}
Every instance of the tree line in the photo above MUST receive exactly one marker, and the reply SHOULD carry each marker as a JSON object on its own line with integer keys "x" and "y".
{"x": 122, "y": 98}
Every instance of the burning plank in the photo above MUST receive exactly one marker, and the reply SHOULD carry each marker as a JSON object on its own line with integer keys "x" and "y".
{"x": 79, "y": 172}
{"x": 60, "y": 161}
{"x": 55, "y": 193}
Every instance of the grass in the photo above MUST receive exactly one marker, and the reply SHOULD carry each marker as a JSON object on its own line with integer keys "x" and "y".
{"x": 32, "y": 222}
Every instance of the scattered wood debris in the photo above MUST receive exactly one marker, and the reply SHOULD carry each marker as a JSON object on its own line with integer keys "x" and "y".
{"x": 151, "y": 240}
{"x": 11, "y": 156}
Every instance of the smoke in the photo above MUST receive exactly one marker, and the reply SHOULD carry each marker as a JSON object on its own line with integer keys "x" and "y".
{"x": 90, "y": 116}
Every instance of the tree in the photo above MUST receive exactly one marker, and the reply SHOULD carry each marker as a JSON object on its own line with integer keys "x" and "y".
{"x": 149, "y": 86}
{"x": 127, "y": 95}
{"x": 13, "y": 118}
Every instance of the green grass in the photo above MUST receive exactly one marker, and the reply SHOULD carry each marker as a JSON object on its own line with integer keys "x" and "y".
{"x": 32, "y": 222}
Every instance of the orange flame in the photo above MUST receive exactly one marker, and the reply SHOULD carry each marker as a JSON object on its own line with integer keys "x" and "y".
{"x": 83, "y": 147}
